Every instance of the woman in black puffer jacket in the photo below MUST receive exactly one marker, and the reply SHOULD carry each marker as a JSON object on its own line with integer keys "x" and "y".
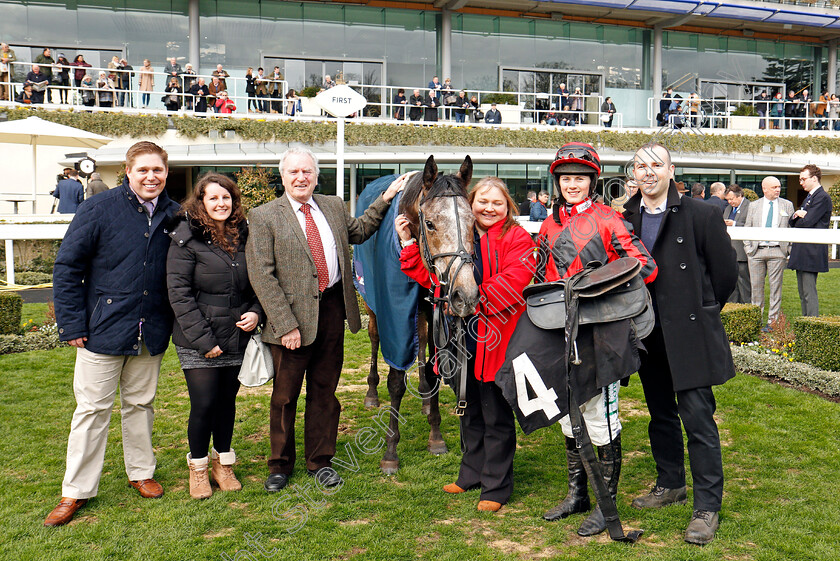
{"x": 215, "y": 312}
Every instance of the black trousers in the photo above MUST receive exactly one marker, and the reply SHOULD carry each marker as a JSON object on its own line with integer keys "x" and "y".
{"x": 212, "y": 408}
{"x": 488, "y": 441}
{"x": 695, "y": 408}
{"x": 320, "y": 363}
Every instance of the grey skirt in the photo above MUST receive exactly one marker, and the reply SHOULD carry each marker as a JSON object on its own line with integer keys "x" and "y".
{"x": 191, "y": 358}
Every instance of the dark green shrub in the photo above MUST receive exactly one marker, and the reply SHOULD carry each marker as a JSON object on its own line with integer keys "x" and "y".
{"x": 30, "y": 278}
{"x": 818, "y": 341}
{"x": 10, "y": 306}
{"x": 742, "y": 322}
{"x": 751, "y": 195}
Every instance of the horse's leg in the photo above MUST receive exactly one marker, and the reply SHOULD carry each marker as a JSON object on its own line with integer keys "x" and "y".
{"x": 423, "y": 384}
{"x": 390, "y": 462}
{"x": 372, "y": 396}
{"x": 428, "y": 379}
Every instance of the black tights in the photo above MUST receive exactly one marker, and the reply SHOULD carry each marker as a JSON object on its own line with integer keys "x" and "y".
{"x": 212, "y": 407}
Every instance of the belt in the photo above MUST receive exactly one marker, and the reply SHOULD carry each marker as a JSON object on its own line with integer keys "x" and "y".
{"x": 330, "y": 289}
{"x": 767, "y": 245}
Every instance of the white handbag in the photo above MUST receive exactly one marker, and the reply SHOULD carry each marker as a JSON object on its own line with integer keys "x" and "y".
{"x": 257, "y": 365}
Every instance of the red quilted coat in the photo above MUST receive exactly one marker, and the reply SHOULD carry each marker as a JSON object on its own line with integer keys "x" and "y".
{"x": 507, "y": 266}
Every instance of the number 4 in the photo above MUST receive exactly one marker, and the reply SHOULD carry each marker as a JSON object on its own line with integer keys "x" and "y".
{"x": 526, "y": 374}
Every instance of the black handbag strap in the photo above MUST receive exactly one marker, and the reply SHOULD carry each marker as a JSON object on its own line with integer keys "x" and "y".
{"x": 581, "y": 434}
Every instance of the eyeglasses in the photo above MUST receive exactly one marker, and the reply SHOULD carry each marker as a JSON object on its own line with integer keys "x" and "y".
{"x": 801, "y": 179}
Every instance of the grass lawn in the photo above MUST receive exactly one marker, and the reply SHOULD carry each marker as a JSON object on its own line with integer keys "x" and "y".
{"x": 780, "y": 451}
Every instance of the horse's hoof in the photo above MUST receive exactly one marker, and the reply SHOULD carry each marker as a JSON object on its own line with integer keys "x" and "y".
{"x": 371, "y": 402}
{"x": 426, "y": 409}
{"x": 389, "y": 467}
{"x": 437, "y": 447}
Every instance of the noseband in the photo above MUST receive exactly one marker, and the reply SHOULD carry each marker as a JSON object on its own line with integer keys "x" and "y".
{"x": 441, "y": 295}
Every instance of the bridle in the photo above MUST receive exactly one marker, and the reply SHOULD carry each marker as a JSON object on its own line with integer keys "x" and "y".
{"x": 441, "y": 333}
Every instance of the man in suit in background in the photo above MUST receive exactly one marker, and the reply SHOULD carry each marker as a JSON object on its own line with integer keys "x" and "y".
{"x": 716, "y": 191}
{"x": 69, "y": 192}
{"x": 299, "y": 265}
{"x": 768, "y": 258}
{"x": 809, "y": 259}
{"x": 736, "y": 215}
{"x": 525, "y": 206}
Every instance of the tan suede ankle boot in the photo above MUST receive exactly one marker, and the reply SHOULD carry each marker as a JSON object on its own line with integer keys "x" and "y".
{"x": 199, "y": 481}
{"x": 222, "y": 470}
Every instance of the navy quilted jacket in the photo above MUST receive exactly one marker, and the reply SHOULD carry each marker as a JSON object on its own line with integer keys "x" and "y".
{"x": 109, "y": 281}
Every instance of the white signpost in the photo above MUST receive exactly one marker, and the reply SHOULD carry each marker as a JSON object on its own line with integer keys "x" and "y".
{"x": 340, "y": 101}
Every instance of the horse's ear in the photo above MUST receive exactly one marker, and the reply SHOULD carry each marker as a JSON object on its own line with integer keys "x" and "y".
{"x": 429, "y": 173}
{"x": 466, "y": 171}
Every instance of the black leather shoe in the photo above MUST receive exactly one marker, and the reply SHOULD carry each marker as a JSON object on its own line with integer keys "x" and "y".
{"x": 326, "y": 476}
{"x": 276, "y": 482}
{"x": 661, "y": 496}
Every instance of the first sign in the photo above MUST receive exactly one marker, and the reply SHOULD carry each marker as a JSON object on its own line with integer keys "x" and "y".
{"x": 341, "y": 101}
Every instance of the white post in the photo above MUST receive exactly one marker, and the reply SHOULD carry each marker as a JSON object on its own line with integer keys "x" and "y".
{"x": 10, "y": 262}
{"x": 339, "y": 159}
{"x": 353, "y": 190}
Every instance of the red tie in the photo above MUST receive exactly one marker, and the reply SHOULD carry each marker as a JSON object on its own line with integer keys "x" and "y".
{"x": 316, "y": 247}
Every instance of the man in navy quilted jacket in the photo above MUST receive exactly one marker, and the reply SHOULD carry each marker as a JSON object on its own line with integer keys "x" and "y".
{"x": 109, "y": 287}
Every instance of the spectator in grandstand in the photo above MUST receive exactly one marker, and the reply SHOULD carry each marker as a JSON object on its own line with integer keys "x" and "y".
{"x": 607, "y": 112}
{"x": 563, "y": 92}
{"x": 791, "y": 110}
{"x": 476, "y": 115}
{"x": 25, "y": 95}
{"x": 416, "y": 101}
{"x": 762, "y": 107}
{"x": 834, "y": 112}
{"x": 819, "y": 109}
{"x": 399, "y": 105}
{"x": 664, "y": 106}
{"x": 216, "y": 86}
{"x": 328, "y": 82}
{"x": 46, "y": 62}
{"x": 276, "y": 89}
{"x": 173, "y": 70}
{"x": 552, "y": 118}
{"x": 80, "y": 72}
{"x": 576, "y": 105}
{"x": 188, "y": 78}
{"x": 493, "y": 116}
{"x": 200, "y": 93}
{"x": 803, "y": 110}
{"x": 105, "y": 90}
{"x": 221, "y": 74}
{"x": 460, "y": 107}
{"x": 87, "y": 90}
{"x": 147, "y": 82}
{"x": 61, "y": 77}
{"x": 777, "y": 110}
{"x": 435, "y": 84}
{"x": 292, "y": 101}
{"x": 261, "y": 84}
{"x": 7, "y": 57}
{"x": 125, "y": 74}
{"x": 447, "y": 96}
{"x": 431, "y": 104}
{"x": 251, "y": 90}
{"x": 172, "y": 99}
{"x": 224, "y": 104}
{"x": 39, "y": 82}
{"x": 695, "y": 115}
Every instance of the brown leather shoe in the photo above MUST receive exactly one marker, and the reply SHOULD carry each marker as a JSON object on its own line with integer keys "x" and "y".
{"x": 489, "y": 506}
{"x": 63, "y": 513}
{"x": 453, "y": 488}
{"x": 149, "y": 488}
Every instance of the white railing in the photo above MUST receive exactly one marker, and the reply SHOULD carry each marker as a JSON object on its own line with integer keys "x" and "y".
{"x": 518, "y": 109}
{"x": 719, "y": 113}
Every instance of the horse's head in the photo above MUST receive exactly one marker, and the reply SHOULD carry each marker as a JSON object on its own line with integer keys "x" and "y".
{"x": 442, "y": 221}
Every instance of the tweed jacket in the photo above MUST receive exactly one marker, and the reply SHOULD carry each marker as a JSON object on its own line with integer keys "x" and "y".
{"x": 754, "y": 215}
{"x": 282, "y": 271}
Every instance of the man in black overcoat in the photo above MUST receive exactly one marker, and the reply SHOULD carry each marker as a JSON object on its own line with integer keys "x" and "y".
{"x": 688, "y": 350}
{"x": 809, "y": 259}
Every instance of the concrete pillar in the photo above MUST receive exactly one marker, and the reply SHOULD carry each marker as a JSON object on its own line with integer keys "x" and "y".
{"x": 831, "y": 82}
{"x": 445, "y": 44}
{"x": 657, "y": 67}
{"x": 195, "y": 36}
{"x": 816, "y": 79}
{"x": 733, "y": 177}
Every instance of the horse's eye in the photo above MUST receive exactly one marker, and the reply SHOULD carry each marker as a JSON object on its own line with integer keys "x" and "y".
{"x": 429, "y": 225}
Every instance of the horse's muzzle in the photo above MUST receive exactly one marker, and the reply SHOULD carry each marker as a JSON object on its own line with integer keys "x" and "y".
{"x": 463, "y": 302}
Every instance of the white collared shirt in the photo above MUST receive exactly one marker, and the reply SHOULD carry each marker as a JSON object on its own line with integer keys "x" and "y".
{"x": 658, "y": 210}
{"x": 327, "y": 237}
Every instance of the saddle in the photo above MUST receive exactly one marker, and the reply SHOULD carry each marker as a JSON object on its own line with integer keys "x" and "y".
{"x": 611, "y": 292}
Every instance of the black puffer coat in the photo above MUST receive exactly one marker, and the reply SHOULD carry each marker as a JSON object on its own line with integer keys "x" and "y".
{"x": 209, "y": 291}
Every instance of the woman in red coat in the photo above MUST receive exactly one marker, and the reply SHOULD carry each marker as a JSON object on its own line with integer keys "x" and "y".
{"x": 503, "y": 267}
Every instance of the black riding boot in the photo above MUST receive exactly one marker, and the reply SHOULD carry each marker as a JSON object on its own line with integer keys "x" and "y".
{"x": 609, "y": 457}
{"x": 578, "y": 498}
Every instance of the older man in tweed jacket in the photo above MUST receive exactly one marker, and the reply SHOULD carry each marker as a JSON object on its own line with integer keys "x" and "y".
{"x": 299, "y": 265}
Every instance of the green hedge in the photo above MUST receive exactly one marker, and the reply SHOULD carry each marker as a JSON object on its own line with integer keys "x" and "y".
{"x": 766, "y": 364}
{"x": 30, "y": 278}
{"x": 818, "y": 341}
{"x": 357, "y": 134}
{"x": 11, "y": 305}
{"x": 36, "y": 341}
{"x": 742, "y": 322}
